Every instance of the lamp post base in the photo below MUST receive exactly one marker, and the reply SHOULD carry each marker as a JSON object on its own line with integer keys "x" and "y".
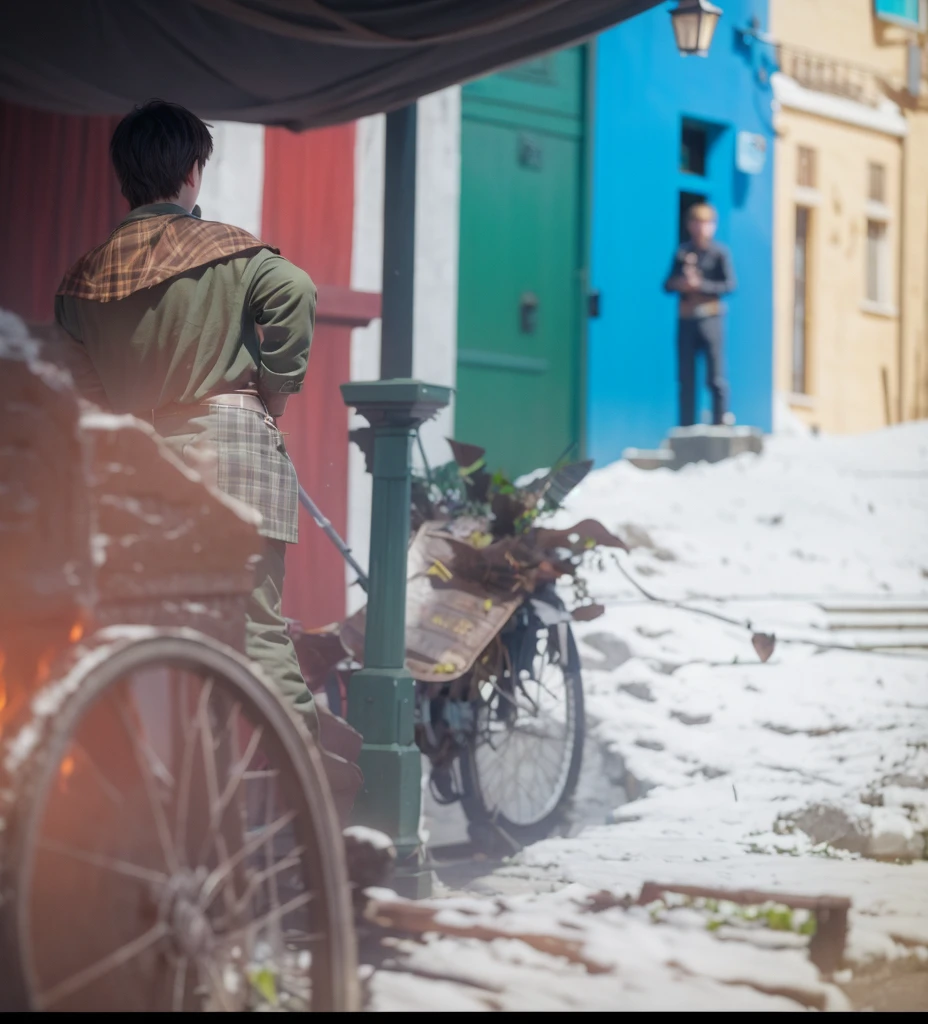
{"x": 382, "y": 695}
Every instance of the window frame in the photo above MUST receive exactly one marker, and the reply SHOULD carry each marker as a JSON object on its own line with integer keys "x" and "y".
{"x": 882, "y": 302}
{"x": 901, "y": 20}
{"x": 806, "y": 392}
{"x": 810, "y": 164}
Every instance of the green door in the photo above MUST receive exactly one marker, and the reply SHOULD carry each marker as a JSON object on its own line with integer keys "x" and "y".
{"x": 521, "y": 284}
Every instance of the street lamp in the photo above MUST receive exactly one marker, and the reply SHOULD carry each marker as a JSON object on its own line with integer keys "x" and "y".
{"x": 694, "y": 23}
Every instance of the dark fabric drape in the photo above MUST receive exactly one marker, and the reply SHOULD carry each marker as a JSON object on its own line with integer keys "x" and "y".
{"x": 58, "y": 198}
{"x": 308, "y": 214}
{"x": 299, "y": 63}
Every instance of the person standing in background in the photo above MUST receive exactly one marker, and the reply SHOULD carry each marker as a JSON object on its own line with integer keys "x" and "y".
{"x": 702, "y": 273}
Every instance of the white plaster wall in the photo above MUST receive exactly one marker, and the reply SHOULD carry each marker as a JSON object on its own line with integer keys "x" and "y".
{"x": 233, "y": 179}
{"x": 366, "y": 267}
{"x": 438, "y": 204}
{"x": 438, "y": 187}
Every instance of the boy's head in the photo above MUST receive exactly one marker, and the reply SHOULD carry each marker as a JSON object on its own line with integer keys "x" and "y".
{"x": 159, "y": 151}
{"x": 701, "y": 221}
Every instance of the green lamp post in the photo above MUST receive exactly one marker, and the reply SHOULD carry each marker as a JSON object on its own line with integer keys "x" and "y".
{"x": 381, "y": 696}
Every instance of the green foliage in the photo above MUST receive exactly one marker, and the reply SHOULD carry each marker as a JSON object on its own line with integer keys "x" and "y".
{"x": 721, "y": 913}
{"x": 264, "y": 981}
{"x": 464, "y": 487}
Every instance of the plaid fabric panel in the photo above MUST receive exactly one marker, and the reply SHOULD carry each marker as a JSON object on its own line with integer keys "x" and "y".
{"x": 255, "y": 468}
{"x": 147, "y": 252}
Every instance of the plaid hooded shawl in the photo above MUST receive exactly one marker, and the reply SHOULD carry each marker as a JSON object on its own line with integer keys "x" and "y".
{"x": 147, "y": 252}
{"x": 252, "y": 463}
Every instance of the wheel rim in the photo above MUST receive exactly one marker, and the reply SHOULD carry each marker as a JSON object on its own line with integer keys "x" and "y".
{"x": 176, "y": 854}
{"x": 525, "y": 740}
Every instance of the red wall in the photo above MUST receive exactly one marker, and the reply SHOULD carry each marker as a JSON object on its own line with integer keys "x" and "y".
{"x": 308, "y": 215}
{"x": 58, "y": 198}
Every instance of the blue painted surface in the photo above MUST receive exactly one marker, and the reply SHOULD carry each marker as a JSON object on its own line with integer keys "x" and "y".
{"x": 644, "y": 90}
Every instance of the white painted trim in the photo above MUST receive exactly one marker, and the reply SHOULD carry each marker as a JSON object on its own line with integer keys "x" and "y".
{"x": 438, "y": 190}
{"x": 438, "y": 204}
{"x": 887, "y": 118}
{"x": 366, "y": 271}
{"x": 803, "y": 195}
{"x": 884, "y": 309}
{"x": 876, "y": 210}
{"x": 233, "y": 179}
{"x": 801, "y": 401}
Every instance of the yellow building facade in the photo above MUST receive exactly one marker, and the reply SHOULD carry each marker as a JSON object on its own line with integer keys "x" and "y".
{"x": 851, "y": 212}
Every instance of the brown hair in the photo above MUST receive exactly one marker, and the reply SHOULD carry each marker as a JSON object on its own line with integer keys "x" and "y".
{"x": 155, "y": 147}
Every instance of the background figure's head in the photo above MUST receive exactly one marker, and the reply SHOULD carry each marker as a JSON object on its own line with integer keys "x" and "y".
{"x": 701, "y": 222}
{"x": 159, "y": 151}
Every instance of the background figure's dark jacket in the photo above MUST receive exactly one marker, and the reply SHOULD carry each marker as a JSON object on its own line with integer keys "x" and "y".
{"x": 714, "y": 265}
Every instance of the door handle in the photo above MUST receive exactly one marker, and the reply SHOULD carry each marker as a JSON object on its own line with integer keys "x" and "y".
{"x": 528, "y": 312}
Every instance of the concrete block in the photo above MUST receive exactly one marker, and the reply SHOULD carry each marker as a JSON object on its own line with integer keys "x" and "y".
{"x": 712, "y": 444}
{"x": 644, "y": 458}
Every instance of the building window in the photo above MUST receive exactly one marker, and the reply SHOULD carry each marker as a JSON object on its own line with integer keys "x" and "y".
{"x": 910, "y": 13}
{"x": 876, "y": 191}
{"x": 877, "y": 263}
{"x": 805, "y": 167}
{"x": 694, "y": 144}
{"x": 800, "y": 377}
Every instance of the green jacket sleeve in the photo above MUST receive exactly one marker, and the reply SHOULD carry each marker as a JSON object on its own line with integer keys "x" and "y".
{"x": 69, "y": 351}
{"x": 282, "y": 300}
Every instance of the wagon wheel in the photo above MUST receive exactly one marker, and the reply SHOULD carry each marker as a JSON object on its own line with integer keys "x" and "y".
{"x": 175, "y": 848}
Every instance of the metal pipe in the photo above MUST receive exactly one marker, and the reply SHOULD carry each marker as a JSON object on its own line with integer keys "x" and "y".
{"x": 399, "y": 244}
{"x": 329, "y": 530}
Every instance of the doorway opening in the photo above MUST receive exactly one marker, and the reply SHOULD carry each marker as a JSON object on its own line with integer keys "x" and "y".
{"x": 688, "y": 200}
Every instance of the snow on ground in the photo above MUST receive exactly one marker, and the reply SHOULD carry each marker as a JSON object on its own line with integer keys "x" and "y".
{"x": 805, "y": 774}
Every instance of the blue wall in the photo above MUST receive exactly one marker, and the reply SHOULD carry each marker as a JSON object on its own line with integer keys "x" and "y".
{"x": 644, "y": 89}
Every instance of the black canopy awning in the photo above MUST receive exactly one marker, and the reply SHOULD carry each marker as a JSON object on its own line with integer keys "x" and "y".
{"x": 299, "y": 63}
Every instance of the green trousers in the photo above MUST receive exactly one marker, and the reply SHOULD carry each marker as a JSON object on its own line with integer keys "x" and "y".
{"x": 266, "y": 638}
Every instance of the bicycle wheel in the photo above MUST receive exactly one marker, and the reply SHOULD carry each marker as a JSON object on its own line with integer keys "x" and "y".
{"x": 521, "y": 766}
{"x": 174, "y": 846}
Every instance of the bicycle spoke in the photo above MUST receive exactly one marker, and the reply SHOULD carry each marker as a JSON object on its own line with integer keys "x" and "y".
{"x": 185, "y": 786}
{"x": 219, "y": 874}
{"x": 99, "y": 860}
{"x": 151, "y": 791}
{"x": 115, "y": 960}
{"x": 108, "y": 788}
{"x": 236, "y": 776}
{"x": 302, "y": 900}
{"x": 180, "y": 985}
{"x": 524, "y": 743}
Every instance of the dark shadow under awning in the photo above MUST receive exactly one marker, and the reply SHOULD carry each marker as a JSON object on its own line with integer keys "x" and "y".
{"x": 299, "y": 63}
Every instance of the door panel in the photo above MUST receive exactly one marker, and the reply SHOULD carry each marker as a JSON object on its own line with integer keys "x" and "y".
{"x": 519, "y": 293}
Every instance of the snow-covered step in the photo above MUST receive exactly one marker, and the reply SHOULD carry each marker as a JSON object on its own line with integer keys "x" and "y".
{"x": 895, "y": 620}
{"x": 891, "y": 623}
{"x": 874, "y": 605}
{"x": 886, "y": 641}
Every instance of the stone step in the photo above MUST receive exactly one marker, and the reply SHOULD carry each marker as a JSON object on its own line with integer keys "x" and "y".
{"x": 701, "y": 443}
{"x": 888, "y": 619}
{"x": 713, "y": 444}
{"x": 874, "y": 606}
{"x": 658, "y": 458}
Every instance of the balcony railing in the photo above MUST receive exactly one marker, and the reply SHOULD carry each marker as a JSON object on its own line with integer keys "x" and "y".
{"x": 830, "y": 75}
